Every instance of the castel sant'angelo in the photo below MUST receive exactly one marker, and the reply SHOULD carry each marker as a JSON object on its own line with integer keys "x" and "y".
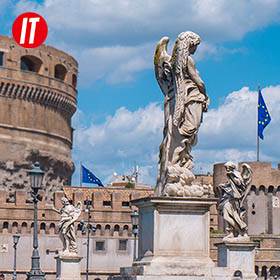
{"x": 38, "y": 93}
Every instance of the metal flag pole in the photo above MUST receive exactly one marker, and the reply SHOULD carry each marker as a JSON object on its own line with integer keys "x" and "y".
{"x": 81, "y": 183}
{"x": 258, "y": 138}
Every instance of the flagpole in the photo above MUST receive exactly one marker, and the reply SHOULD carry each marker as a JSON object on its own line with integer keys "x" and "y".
{"x": 81, "y": 183}
{"x": 258, "y": 138}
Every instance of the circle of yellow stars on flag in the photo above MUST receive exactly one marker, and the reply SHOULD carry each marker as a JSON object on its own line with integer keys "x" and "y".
{"x": 265, "y": 120}
{"x": 92, "y": 180}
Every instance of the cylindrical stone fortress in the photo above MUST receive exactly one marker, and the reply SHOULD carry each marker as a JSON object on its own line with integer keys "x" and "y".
{"x": 38, "y": 96}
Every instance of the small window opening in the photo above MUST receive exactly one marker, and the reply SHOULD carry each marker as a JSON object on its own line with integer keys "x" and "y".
{"x": 123, "y": 244}
{"x": 74, "y": 80}
{"x": 100, "y": 245}
{"x": 87, "y": 202}
{"x": 106, "y": 203}
{"x": 116, "y": 228}
{"x": 60, "y": 72}
{"x": 1, "y": 58}
{"x": 125, "y": 204}
{"x": 30, "y": 63}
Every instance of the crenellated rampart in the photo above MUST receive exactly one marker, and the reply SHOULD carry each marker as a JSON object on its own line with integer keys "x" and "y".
{"x": 110, "y": 220}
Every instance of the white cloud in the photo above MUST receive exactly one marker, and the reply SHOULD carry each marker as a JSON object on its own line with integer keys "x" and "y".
{"x": 133, "y": 22}
{"x": 227, "y": 133}
{"x": 122, "y": 139}
{"x": 114, "y": 64}
{"x": 115, "y": 39}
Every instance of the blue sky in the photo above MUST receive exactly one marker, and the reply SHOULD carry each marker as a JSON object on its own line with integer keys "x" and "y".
{"x": 119, "y": 118}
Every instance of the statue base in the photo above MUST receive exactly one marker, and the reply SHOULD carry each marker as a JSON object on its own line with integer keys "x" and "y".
{"x": 68, "y": 267}
{"x": 237, "y": 256}
{"x": 173, "y": 236}
{"x": 174, "y": 241}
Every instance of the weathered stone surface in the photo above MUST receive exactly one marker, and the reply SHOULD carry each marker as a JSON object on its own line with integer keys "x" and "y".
{"x": 174, "y": 244}
{"x": 69, "y": 215}
{"x": 173, "y": 237}
{"x": 68, "y": 267}
{"x": 238, "y": 256}
{"x": 232, "y": 201}
{"x": 38, "y": 93}
{"x": 185, "y": 101}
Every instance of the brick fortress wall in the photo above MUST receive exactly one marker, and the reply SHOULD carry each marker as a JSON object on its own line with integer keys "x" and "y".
{"x": 38, "y": 94}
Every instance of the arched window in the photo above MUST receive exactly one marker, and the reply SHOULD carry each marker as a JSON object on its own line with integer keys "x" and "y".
{"x": 74, "y": 80}
{"x": 1, "y": 58}
{"x": 238, "y": 273}
{"x": 107, "y": 227}
{"x": 116, "y": 228}
{"x": 24, "y": 227}
{"x": 60, "y": 72}
{"x": 14, "y": 227}
{"x": 98, "y": 227}
{"x": 5, "y": 225}
{"x": 278, "y": 189}
{"x": 257, "y": 270}
{"x": 30, "y": 63}
{"x": 42, "y": 226}
{"x": 270, "y": 189}
{"x": 253, "y": 189}
{"x": 32, "y": 225}
{"x": 264, "y": 272}
{"x": 262, "y": 189}
{"x": 125, "y": 227}
{"x": 52, "y": 228}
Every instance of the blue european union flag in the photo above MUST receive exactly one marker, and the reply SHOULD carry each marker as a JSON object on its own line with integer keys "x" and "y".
{"x": 263, "y": 116}
{"x": 89, "y": 177}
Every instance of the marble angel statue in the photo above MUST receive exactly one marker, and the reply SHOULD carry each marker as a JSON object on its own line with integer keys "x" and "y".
{"x": 69, "y": 214}
{"x": 184, "y": 103}
{"x": 232, "y": 196}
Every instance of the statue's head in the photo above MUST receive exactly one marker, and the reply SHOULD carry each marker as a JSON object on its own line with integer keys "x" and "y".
{"x": 230, "y": 166}
{"x": 189, "y": 37}
{"x": 185, "y": 44}
{"x": 65, "y": 201}
{"x": 189, "y": 40}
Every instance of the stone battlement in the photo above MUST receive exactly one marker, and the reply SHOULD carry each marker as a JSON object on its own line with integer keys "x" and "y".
{"x": 107, "y": 205}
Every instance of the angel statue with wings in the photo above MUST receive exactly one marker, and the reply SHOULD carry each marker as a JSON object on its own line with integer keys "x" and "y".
{"x": 185, "y": 101}
{"x": 232, "y": 197}
{"x": 69, "y": 214}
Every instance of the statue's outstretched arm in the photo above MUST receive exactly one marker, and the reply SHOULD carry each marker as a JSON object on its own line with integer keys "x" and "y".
{"x": 194, "y": 75}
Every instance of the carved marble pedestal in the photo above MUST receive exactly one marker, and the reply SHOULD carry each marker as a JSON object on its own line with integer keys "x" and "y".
{"x": 173, "y": 236}
{"x": 173, "y": 239}
{"x": 68, "y": 267}
{"x": 174, "y": 243}
{"x": 238, "y": 256}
